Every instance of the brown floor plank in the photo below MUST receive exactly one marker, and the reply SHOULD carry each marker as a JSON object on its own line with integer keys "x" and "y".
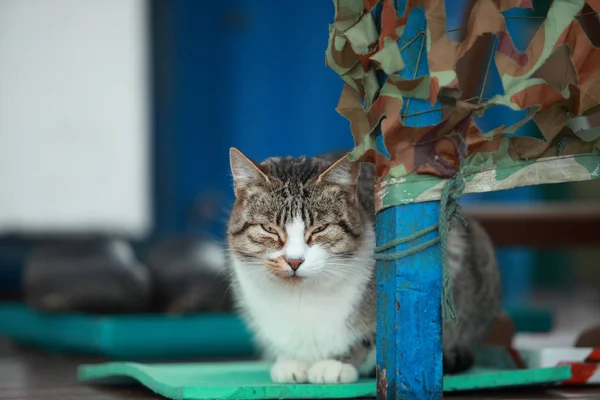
{"x": 27, "y": 374}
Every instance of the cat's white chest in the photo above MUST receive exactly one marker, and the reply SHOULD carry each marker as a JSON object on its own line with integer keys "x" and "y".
{"x": 305, "y": 326}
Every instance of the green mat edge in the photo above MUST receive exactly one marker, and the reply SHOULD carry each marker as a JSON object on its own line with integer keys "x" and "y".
{"x": 136, "y": 372}
{"x": 506, "y": 378}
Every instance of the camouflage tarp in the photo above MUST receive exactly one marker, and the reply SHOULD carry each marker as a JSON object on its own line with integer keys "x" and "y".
{"x": 556, "y": 81}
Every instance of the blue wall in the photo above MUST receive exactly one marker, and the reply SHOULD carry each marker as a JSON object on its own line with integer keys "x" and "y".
{"x": 244, "y": 74}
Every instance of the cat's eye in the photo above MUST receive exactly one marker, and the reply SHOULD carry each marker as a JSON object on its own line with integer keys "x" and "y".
{"x": 269, "y": 229}
{"x": 319, "y": 229}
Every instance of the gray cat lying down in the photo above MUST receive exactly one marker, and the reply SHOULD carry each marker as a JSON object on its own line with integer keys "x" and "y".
{"x": 301, "y": 239}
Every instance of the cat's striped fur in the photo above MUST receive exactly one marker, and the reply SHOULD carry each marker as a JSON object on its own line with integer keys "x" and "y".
{"x": 318, "y": 320}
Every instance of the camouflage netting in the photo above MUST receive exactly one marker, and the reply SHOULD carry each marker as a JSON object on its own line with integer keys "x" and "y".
{"x": 555, "y": 82}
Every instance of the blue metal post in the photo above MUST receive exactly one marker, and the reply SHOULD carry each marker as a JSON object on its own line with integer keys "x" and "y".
{"x": 409, "y": 318}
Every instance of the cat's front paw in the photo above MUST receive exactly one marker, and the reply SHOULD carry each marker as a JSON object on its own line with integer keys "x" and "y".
{"x": 332, "y": 371}
{"x": 289, "y": 371}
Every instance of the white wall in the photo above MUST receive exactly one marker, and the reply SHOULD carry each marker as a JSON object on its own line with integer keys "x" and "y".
{"x": 74, "y": 140}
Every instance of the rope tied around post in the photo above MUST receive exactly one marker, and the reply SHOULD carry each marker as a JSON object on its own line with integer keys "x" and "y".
{"x": 449, "y": 214}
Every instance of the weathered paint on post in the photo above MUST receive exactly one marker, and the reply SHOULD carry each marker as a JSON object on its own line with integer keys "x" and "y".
{"x": 409, "y": 321}
{"x": 409, "y": 318}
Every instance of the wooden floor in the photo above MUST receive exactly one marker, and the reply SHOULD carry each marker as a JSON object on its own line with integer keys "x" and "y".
{"x": 27, "y": 374}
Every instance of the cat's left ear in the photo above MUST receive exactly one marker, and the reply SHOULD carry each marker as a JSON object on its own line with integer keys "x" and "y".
{"x": 342, "y": 172}
{"x": 245, "y": 171}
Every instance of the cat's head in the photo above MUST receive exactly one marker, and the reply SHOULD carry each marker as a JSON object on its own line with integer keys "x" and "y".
{"x": 296, "y": 219}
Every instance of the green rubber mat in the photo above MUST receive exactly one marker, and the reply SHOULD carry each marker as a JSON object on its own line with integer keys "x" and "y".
{"x": 251, "y": 380}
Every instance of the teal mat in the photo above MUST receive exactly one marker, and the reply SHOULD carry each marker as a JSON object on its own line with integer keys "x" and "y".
{"x": 133, "y": 337}
{"x": 530, "y": 319}
{"x": 250, "y": 380}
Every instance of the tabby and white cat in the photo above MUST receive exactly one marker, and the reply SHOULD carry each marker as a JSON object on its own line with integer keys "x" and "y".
{"x": 301, "y": 239}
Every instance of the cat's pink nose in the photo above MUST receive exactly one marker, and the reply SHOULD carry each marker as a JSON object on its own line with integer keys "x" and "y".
{"x": 294, "y": 263}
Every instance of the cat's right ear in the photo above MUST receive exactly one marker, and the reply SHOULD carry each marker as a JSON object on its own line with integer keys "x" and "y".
{"x": 245, "y": 171}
